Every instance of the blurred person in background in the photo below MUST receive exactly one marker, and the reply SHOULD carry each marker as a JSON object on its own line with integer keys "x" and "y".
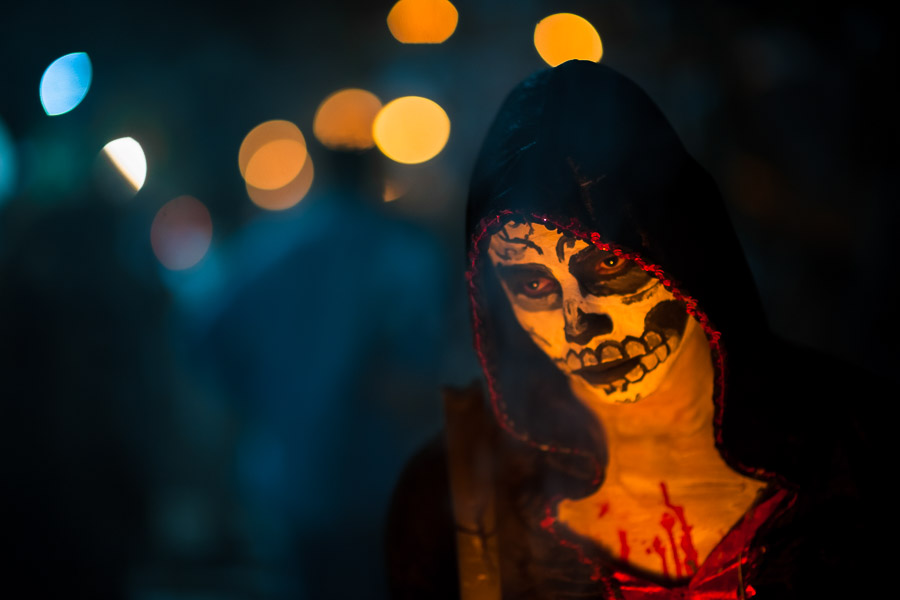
{"x": 327, "y": 336}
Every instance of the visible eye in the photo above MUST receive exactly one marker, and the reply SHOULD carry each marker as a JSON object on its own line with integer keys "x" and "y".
{"x": 537, "y": 287}
{"x": 610, "y": 265}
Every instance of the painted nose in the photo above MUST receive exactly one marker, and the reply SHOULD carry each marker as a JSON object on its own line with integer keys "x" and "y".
{"x": 582, "y": 327}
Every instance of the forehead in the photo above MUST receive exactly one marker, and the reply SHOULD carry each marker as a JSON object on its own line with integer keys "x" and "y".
{"x": 526, "y": 242}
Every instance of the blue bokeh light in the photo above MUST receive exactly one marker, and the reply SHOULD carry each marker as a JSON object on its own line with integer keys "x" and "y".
{"x": 8, "y": 166}
{"x": 65, "y": 83}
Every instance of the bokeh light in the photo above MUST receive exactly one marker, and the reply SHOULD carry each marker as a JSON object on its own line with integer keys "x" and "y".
{"x": 287, "y": 196}
{"x": 128, "y": 157}
{"x": 276, "y": 164}
{"x": 8, "y": 164}
{"x": 181, "y": 233}
{"x": 65, "y": 83}
{"x": 564, "y": 36}
{"x": 393, "y": 190}
{"x": 272, "y": 155}
{"x": 411, "y": 129}
{"x": 422, "y": 21}
{"x": 344, "y": 119}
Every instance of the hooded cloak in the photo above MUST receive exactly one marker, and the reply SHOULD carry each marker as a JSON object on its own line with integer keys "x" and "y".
{"x": 582, "y": 149}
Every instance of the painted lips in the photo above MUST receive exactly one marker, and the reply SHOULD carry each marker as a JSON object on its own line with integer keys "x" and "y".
{"x": 614, "y": 365}
{"x": 609, "y": 372}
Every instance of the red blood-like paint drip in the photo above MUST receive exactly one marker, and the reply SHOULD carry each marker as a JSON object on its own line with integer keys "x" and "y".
{"x": 661, "y": 551}
{"x": 548, "y": 520}
{"x": 691, "y": 561}
{"x": 624, "y": 549}
{"x": 668, "y": 523}
{"x": 604, "y": 508}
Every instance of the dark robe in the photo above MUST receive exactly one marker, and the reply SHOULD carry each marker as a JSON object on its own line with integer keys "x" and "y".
{"x": 583, "y": 149}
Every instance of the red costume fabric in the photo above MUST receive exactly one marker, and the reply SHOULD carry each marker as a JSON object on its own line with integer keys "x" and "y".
{"x": 722, "y": 575}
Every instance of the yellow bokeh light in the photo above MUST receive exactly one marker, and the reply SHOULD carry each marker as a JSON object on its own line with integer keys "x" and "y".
{"x": 422, "y": 21}
{"x": 411, "y": 129}
{"x": 272, "y": 155}
{"x": 344, "y": 119}
{"x": 564, "y": 36}
{"x": 287, "y": 196}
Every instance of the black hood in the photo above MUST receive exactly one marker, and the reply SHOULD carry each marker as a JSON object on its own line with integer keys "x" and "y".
{"x": 582, "y": 148}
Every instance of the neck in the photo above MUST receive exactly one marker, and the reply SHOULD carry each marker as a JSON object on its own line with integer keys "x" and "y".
{"x": 667, "y": 436}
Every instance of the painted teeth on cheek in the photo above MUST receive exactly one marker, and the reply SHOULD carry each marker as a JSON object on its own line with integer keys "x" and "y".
{"x": 652, "y": 339}
{"x": 672, "y": 343}
{"x": 610, "y": 353}
{"x": 635, "y": 348}
{"x": 572, "y": 361}
{"x": 662, "y": 352}
{"x": 650, "y": 361}
{"x": 588, "y": 358}
{"x": 635, "y": 374}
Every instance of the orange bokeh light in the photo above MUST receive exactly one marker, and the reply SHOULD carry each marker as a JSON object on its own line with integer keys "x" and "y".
{"x": 393, "y": 190}
{"x": 272, "y": 155}
{"x": 422, "y": 21}
{"x": 287, "y": 196}
{"x": 564, "y": 36}
{"x": 344, "y": 119}
{"x": 181, "y": 233}
{"x": 276, "y": 164}
{"x": 411, "y": 129}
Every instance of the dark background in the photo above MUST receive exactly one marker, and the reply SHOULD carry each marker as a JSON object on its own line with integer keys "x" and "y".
{"x": 235, "y": 430}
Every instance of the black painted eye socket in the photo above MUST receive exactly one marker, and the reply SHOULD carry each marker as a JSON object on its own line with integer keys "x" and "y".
{"x": 529, "y": 281}
{"x": 601, "y": 273}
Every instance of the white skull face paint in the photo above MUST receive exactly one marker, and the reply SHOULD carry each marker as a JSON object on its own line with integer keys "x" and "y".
{"x": 611, "y": 327}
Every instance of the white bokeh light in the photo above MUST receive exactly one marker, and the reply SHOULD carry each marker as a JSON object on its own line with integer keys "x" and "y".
{"x": 128, "y": 157}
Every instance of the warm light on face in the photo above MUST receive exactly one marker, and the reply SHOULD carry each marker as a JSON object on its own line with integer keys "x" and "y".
{"x": 128, "y": 157}
{"x": 411, "y": 129}
{"x": 272, "y": 155}
{"x": 422, "y": 21}
{"x": 344, "y": 120}
{"x": 610, "y": 326}
{"x": 287, "y": 196}
{"x": 65, "y": 83}
{"x": 181, "y": 233}
{"x": 564, "y": 36}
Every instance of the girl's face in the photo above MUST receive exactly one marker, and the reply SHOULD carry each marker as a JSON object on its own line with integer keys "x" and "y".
{"x": 597, "y": 316}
